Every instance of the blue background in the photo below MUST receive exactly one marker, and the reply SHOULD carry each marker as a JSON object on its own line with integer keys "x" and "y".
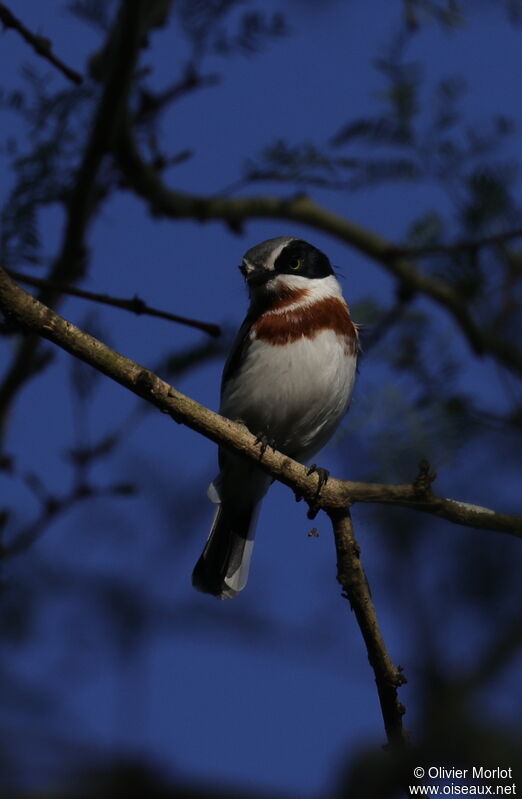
{"x": 273, "y": 690}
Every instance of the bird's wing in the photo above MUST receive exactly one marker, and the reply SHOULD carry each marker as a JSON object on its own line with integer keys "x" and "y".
{"x": 238, "y": 352}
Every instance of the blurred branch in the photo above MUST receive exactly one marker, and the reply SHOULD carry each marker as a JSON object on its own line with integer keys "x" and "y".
{"x": 146, "y": 182}
{"x": 40, "y": 44}
{"x": 52, "y": 507}
{"x": 174, "y": 366}
{"x": 471, "y": 245}
{"x": 153, "y": 103}
{"x": 351, "y": 576}
{"x": 134, "y": 304}
{"x": 123, "y": 44}
{"x": 32, "y": 315}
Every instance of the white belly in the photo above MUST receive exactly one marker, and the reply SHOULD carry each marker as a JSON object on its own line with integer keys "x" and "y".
{"x": 294, "y": 394}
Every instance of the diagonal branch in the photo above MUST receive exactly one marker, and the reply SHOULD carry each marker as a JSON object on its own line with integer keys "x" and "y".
{"x": 40, "y": 44}
{"x": 145, "y": 181}
{"x": 33, "y": 316}
{"x": 134, "y": 304}
{"x": 351, "y": 576}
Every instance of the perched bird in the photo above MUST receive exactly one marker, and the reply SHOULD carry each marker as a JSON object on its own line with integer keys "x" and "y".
{"x": 288, "y": 378}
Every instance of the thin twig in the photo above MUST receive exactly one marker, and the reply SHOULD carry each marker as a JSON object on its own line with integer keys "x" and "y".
{"x": 35, "y": 317}
{"x": 40, "y": 44}
{"x": 152, "y": 104}
{"x": 134, "y": 304}
{"x": 351, "y": 576}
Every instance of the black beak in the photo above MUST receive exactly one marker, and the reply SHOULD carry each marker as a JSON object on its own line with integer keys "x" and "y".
{"x": 255, "y": 276}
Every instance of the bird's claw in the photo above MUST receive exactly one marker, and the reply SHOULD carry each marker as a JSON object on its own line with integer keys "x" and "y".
{"x": 322, "y": 475}
{"x": 264, "y": 442}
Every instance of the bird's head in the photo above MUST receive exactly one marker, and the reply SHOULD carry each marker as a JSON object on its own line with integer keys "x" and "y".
{"x": 282, "y": 264}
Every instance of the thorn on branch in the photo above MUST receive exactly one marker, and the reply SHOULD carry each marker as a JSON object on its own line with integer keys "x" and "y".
{"x": 424, "y": 479}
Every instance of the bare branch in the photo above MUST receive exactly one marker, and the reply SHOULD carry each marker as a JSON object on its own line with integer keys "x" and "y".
{"x": 40, "y": 44}
{"x": 146, "y": 182}
{"x": 351, "y": 576}
{"x": 134, "y": 304}
{"x": 35, "y": 317}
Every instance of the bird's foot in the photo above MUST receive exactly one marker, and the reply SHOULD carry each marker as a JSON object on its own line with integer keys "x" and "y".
{"x": 264, "y": 442}
{"x": 323, "y": 475}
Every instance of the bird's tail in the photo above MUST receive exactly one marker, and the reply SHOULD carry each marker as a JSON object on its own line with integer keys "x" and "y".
{"x": 222, "y": 569}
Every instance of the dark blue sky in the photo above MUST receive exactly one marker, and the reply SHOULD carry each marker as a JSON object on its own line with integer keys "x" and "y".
{"x": 271, "y": 690}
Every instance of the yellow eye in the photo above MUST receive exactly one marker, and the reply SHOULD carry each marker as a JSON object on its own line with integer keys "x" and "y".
{"x": 295, "y": 263}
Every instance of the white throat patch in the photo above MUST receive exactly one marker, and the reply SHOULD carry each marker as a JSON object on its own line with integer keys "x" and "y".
{"x": 317, "y": 289}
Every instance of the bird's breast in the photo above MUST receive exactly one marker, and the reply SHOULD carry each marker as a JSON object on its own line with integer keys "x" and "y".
{"x": 297, "y": 379}
{"x": 281, "y": 327}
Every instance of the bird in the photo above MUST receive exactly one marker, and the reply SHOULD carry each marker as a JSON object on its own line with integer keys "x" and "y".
{"x": 289, "y": 378}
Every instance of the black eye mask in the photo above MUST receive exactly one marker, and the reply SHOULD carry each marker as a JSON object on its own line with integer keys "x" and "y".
{"x": 301, "y": 258}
